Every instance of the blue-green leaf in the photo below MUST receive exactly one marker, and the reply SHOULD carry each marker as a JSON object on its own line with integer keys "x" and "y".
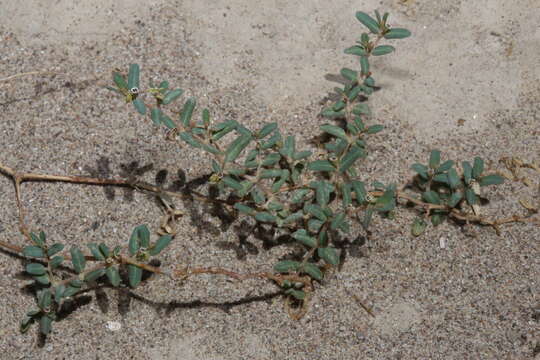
{"x": 334, "y": 130}
{"x": 349, "y": 75}
{"x": 321, "y": 165}
{"x": 95, "y": 251}
{"x": 78, "y": 260}
{"x": 286, "y": 266}
{"x": 160, "y": 244}
{"x": 467, "y": 172}
{"x": 397, "y": 33}
{"x": 421, "y": 170}
{"x": 36, "y": 269}
{"x": 356, "y": 50}
{"x": 139, "y": 106}
{"x": 349, "y": 159}
{"x": 172, "y": 95}
{"x": 94, "y": 275}
{"x": 434, "y": 159}
{"x": 478, "y": 168}
{"x": 155, "y": 115}
{"x": 382, "y": 50}
{"x": 33, "y": 251}
{"x": 313, "y": 271}
{"x": 368, "y": 22}
{"x": 364, "y": 65}
{"x": 113, "y": 276}
{"x": 187, "y": 112}
{"x": 493, "y": 179}
{"x": 431, "y": 197}
{"x": 134, "y": 275}
{"x": 236, "y": 147}
{"x": 303, "y": 237}
{"x": 329, "y": 254}
{"x": 133, "y": 76}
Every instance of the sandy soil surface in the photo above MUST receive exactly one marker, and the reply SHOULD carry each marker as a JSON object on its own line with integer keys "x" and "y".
{"x": 465, "y": 83}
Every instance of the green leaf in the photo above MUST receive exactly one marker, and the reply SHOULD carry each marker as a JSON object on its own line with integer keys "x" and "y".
{"x": 134, "y": 275}
{"x": 397, "y": 33}
{"x": 374, "y": 129}
{"x": 155, "y": 115}
{"x": 70, "y": 291}
{"x": 314, "y": 225}
{"x": 437, "y": 219}
{"x": 334, "y": 130}
{"x": 78, "y": 260}
{"x": 289, "y": 147}
{"x": 272, "y": 141}
{"x": 236, "y": 147}
{"x": 76, "y": 283}
{"x": 368, "y": 22}
{"x": 346, "y": 195}
{"x": 453, "y": 178}
{"x": 293, "y": 217}
{"x": 421, "y": 170}
{"x": 361, "y": 109}
{"x": 382, "y": 50}
{"x": 94, "y": 275}
{"x": 297, "y": 294}
{"x": 369, "y": 81}
{"x": 359, "y": 190}
{"x": 271, "y": 159}
{"x": 300, "y": 155}
{"x": 356, "y": 50}
{"x": 56, "y": 261}
{"x": 59, "y": 293}
{"x": 95, "y": 251}
{"x": 471, "y": 197}
{"x": 349, "y": 75}
{"x": 133, "y": 76}
{"x": 313, "y": 271}
{"x": 418, "y": 227}
{"x": 230, "y": 182}
{"x": 26, "y": 323}
{"x": 444, "y": 166}
{"x": 455, "y": 199}
{"x": 348, "y": 160}
{"x": 120, "y": 81}
{"x": 322, "y": 191}
{"x": 337, "y": 221}
{"x": 134, "y": 243}
{"x": 266, "y": 130}
{"x": 364, "y": 65}
{"x": 478, "y": 168}
{"x": 386, "y": 202}
{"x": 188, "y": 138}
{"x": 467, "y": 172}
{"x": 44, "y": 298}
{"x": 244, "y": 209}
{"x": 206, "y": 117}
{"x": 286, "y": 266}
{"x": 329, "y": 254}
{"x": 431, "y": 197}
{"x": 303, "y": 237}
{"x": 434, "y": 159}
{"x": 42, "y": 279}
{"x": 164, "y": 85}
{"x": 367, "y": 218}
{"x": 265, "y": 217}
{"x": 493, "y": 179}
{"x": 321, "y": 165}
{"x": 139, "y": 106}
{"x": 45, "y": 324}
{"x": 113, "y": 276}
{"x": 37, "y": 240}
{"x": 299, "y": 195}
{"x": 442, "y": 178}
{"x": 172, "y": 95}
{"x": 331, "y": 114}
{"x": 33, "y": 251}
{"x": 315, "y": 210}
{"x": 187, "y": 112}
{"x": 168, "y": 122}
{"x": 160, "y": 244}
{"x": 36, "y": 269}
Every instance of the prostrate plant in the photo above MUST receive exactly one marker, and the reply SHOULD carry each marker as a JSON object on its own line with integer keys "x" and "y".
{"x": 311, "y": 196}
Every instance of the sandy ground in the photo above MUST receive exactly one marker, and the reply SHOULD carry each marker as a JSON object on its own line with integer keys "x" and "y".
{"x": 465, "y": 83}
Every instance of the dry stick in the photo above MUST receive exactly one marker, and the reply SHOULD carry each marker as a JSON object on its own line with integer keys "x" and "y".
{"x": 27, "y": 74}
